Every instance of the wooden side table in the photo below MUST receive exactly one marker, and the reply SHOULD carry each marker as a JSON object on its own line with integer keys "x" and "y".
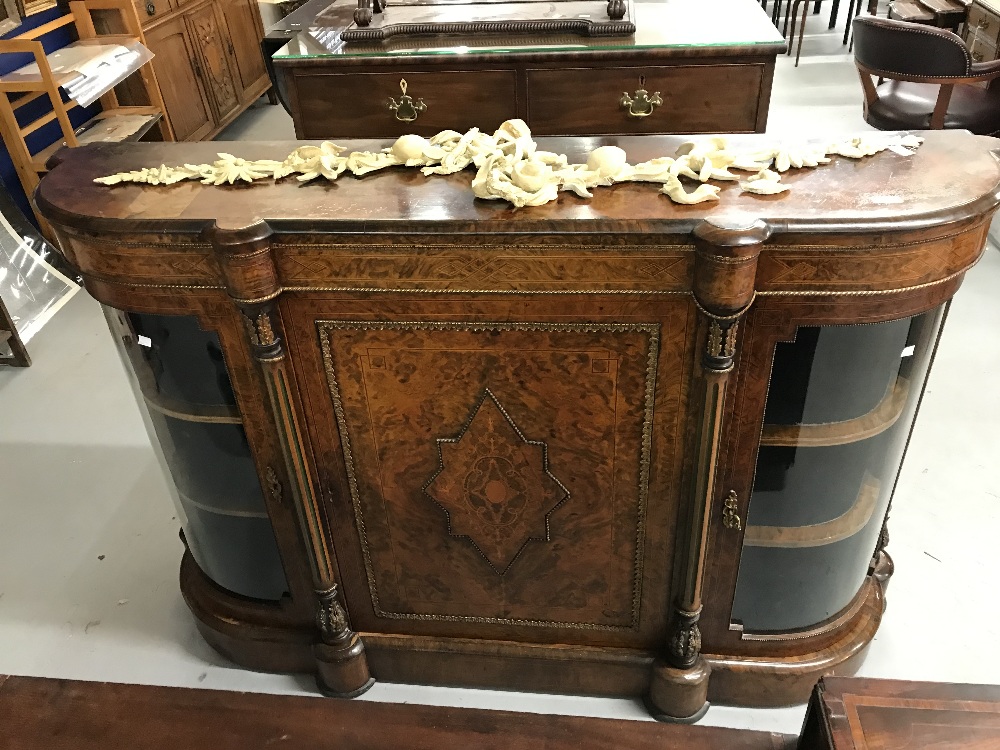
{"x": 45, "y": 714}
{"x": 864, "y": 714}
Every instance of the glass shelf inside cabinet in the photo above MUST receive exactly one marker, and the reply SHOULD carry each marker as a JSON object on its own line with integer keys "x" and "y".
{"x": 840, "y": 404}
{"x": 179, "y": 374}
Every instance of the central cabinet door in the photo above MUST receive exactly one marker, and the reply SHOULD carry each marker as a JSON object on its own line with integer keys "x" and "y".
{"x": 498, "y": 474}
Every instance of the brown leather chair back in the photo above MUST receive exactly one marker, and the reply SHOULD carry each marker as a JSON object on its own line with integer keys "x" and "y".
{"x": 909, "y": 49}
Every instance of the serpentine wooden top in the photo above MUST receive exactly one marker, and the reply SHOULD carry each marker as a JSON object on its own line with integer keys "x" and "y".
{"x": 953, "y": 176}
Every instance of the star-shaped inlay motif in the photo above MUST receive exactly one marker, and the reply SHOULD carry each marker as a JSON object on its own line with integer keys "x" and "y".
{"x": 495, "y": 485}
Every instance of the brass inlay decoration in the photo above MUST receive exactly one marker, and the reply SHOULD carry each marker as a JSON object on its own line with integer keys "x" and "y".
{"x": 730, "y": 514}
{"x": 331, "y": 619}
{"x": 881, "y": 418}
{"x": 273, "y": 484}
{"x": 843, "y": 526}
{"x": 491, "y": 491}
{"x": 406, "y": 109}
{"x": 325, "y": 327}
{"x": 259, "y": 329}
{"x": 642, "y": 103}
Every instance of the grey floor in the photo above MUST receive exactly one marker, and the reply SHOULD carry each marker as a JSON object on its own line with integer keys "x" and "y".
{"x": 88, "y": 537}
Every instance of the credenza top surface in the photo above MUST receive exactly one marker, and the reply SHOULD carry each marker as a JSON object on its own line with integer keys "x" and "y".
{"x": 953, "y": 176}
{"x": 667, "y": 25}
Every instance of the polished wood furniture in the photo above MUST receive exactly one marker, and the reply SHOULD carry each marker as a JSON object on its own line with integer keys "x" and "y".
{"x": 208, "y": 61}
{"x": 612, "y": 446}
{"x": 19, "y": 89}
{"x": 48, "y": 714}
{"x": 926, "y": 78}
{"x": 865, "y": 714}
{"x": 710, "y": 76}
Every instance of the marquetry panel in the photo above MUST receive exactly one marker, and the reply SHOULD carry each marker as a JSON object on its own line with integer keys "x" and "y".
{"x": 499, "y": 472}
{"x": 666, "y": 268}
{"x": 139, "y": 263}
{"x": 851, "y": 270}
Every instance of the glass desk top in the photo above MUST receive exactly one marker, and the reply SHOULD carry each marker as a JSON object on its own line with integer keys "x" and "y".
{"x": 661, "y": 24}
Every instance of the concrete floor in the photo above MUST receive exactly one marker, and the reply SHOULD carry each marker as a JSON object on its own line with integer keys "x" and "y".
{"x": 88, "y": 538}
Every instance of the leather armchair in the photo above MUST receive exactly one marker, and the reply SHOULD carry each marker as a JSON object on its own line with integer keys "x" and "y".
{"x": 926, "y": 78}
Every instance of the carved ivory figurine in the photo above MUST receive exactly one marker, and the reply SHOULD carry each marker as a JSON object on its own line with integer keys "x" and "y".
{"x": 510, "y": 167}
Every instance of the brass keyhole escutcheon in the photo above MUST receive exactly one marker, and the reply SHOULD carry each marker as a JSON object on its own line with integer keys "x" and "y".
{"x": 641, "y": 103}
{"x": 406, "y": 109}
{"x": 730, "y": 516}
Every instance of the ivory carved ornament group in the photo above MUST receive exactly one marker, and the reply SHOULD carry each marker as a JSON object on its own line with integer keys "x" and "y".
{"x": 510, "y": 167}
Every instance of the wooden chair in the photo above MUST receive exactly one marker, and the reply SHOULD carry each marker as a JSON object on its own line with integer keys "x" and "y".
{"x": 925, "y": 79}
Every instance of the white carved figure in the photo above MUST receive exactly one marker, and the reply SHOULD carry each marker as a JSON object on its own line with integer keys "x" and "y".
{"x": 765, "y": 182}
{"x": 510, "y": 167}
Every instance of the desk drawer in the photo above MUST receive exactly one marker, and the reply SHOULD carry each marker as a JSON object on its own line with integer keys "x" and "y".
{"x": 345, "y": 105}
{"x": 696, "y": 99}
{"x": 983, "y": 24}
{"x": 982, "y": 49}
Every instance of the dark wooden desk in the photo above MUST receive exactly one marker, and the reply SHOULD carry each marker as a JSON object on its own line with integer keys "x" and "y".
{"x": 44, "y": 714}
{"x": 712, "y": 62}
{"x": 866, "y": 714}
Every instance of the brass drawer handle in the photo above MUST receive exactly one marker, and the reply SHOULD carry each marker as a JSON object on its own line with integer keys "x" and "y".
{"x": 406, "y": 110}
{"x": 977, "y": 56}
{"x": 983, "y": 24}
{"x": 730, "y": 516}
{"x": 640, "y": 104}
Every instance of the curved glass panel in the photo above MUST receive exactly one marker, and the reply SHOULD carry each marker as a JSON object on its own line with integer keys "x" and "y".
{"x": 839, "y": 409}
{"x": 179, "y": 374}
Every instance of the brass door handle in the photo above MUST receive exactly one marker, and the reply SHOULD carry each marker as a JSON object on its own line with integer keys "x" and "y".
{"x": 406, "y": 109}
{"x": 730, "y": 516}
{"x": 641, "y": 103}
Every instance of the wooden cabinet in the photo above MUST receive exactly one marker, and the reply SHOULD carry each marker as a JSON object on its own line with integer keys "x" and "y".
{"x": 609, "y": 446}
{"x": 179, "y": 75}
{"x": 208, "y": 61}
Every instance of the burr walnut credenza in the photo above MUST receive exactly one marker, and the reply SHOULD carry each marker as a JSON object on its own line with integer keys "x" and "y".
{"x": 612, "y": 446}
{"x": 692, "y": 66}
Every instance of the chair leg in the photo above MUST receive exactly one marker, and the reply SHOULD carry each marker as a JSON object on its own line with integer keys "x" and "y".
{"x": 802, "y": 33}
{"x": 833, "y": 13}
{"x": 816, "y": 6}
{"x": 791, "y": 15}
{"x": 851, "y": 12}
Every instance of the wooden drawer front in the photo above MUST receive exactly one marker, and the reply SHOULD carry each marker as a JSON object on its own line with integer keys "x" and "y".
{"x": 982, "y": 23}
{"x": 696, "y": 99}
{"x": 357, "y": 105}
{"x": 982, "y": 48}
{"x": 148, "y": 10}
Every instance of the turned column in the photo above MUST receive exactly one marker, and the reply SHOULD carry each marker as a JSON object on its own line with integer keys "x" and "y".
{"x": 725, "y": 268}
{"x": 251, "y": 279}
